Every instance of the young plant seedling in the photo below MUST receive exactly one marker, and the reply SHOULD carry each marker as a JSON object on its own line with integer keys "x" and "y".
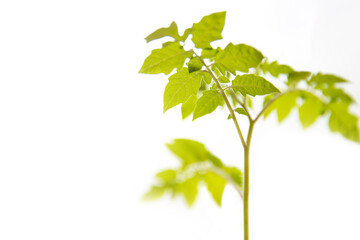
{"x": 207, "y": 77}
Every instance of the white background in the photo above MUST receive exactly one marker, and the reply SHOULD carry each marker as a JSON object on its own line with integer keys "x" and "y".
{"x": 82, "y": 133}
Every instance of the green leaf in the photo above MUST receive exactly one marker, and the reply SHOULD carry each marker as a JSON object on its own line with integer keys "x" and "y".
{"x": 215, "y": 160}
{"x": 249, "y": 101}
{"x": 186, "y": 34}
{"x": 276, "y": 69}
{"x": 210, "y": 52}
{"x": 236, "y": 175}
{"x": 239, "y": 57}
{"x": 171, "y": 31}
{"x": 295, "y": 77}
{"x": 207, "y": 103}
{"x": 194, "y": 64}
{"x": 181, "y": 86}
{"x": 165, "y": 44}
{"x": 208, "y": 29}
{"x": 216, "y": 71}
{"x": 165, "y": 59}
{"x": 214, "y": 87}
{"x": 239, "y": 111}
{"x": 336, "y": 94}
{"x": 188, "y": 151}
{"x": 167, "y": 175}
{"x": 250, "y": 84}
{"x": 344, "y": 122}
{"x": 223, "y": 79}
{"x": 327, "y": 78}
{"x": 233, "y": 99}
{"x": 190, "y": 189}
{"x": 188, "y": 107}
{"x": 267, "y": 98}
{"x": 206, "y": 77}
{"x": 283, "y": 105}
{"x": 216, "y": 185}
{"x": 310, "y": 110}
{"x": 154, "y": 193}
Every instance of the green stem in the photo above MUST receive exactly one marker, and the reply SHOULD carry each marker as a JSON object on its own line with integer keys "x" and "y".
{"x": 231, "y": 110}
{"x": 246, "y": 146}
{"x": 246, "y": 181}
{"x": 243, "y": 104}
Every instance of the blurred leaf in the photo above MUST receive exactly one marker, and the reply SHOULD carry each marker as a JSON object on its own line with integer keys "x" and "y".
{"x": 344, "y": 122}
{"x": 171, "y": 31}
{"x": 327, "y": 78}
{"x": 295, "y": 77}
{"x": 236, "y": 175}
{"x": 215, "y": 160}
{"x": 154, "y": 193}
{"x": 239, "y": 57}
{"x": 249, "y": 101}
{"x": 167, "y": 175}
{"x": 188, "y": 107}
{"x": 223, "y": 79}
{"x": 276, "y": 69}
{"x": 194, "y": 64}
{"x": 335, "y": 93}
{"x": 188, "y": 151}
{"x": 252, "y": 85}
{"x": 216, "y": 185}
{"x": 207, "y": 103}
{"x": 198, "y": 164}
{"x": 208, "y": 29}
{"x": 209, "y": 52}
{"x": 233, "y": 99}
{"x": 267, "y": 98}
{"x": 214, "y": 87}
{"x": 190, "y": 189}
{"x": 165, "y": 59}
{"x": 283, "y": 105}
{"x": 310, "y": 110}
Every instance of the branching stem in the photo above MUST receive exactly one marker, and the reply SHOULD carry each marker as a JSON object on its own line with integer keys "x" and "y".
{"x": 231, "y": 110}
{"x": 243, "y": 104}
{"x": 246, "y": 144}
{"x": 273, "y": 100}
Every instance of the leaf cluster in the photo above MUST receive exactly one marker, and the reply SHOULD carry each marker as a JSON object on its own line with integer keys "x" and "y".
{"x": 198, "y": 167}
{"x": 203, "y": 78}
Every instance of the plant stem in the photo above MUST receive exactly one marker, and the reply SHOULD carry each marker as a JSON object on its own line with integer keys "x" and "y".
{"x": 246, "y": 181}
{"x": 243, "y": 104}
{"x": 232, "y": 113}
{"x": 246, "y": 146}
{"x": 273, "y": 100}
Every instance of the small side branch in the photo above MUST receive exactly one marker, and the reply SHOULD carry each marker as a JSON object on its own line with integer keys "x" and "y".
{"x": 243, "y": 104}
